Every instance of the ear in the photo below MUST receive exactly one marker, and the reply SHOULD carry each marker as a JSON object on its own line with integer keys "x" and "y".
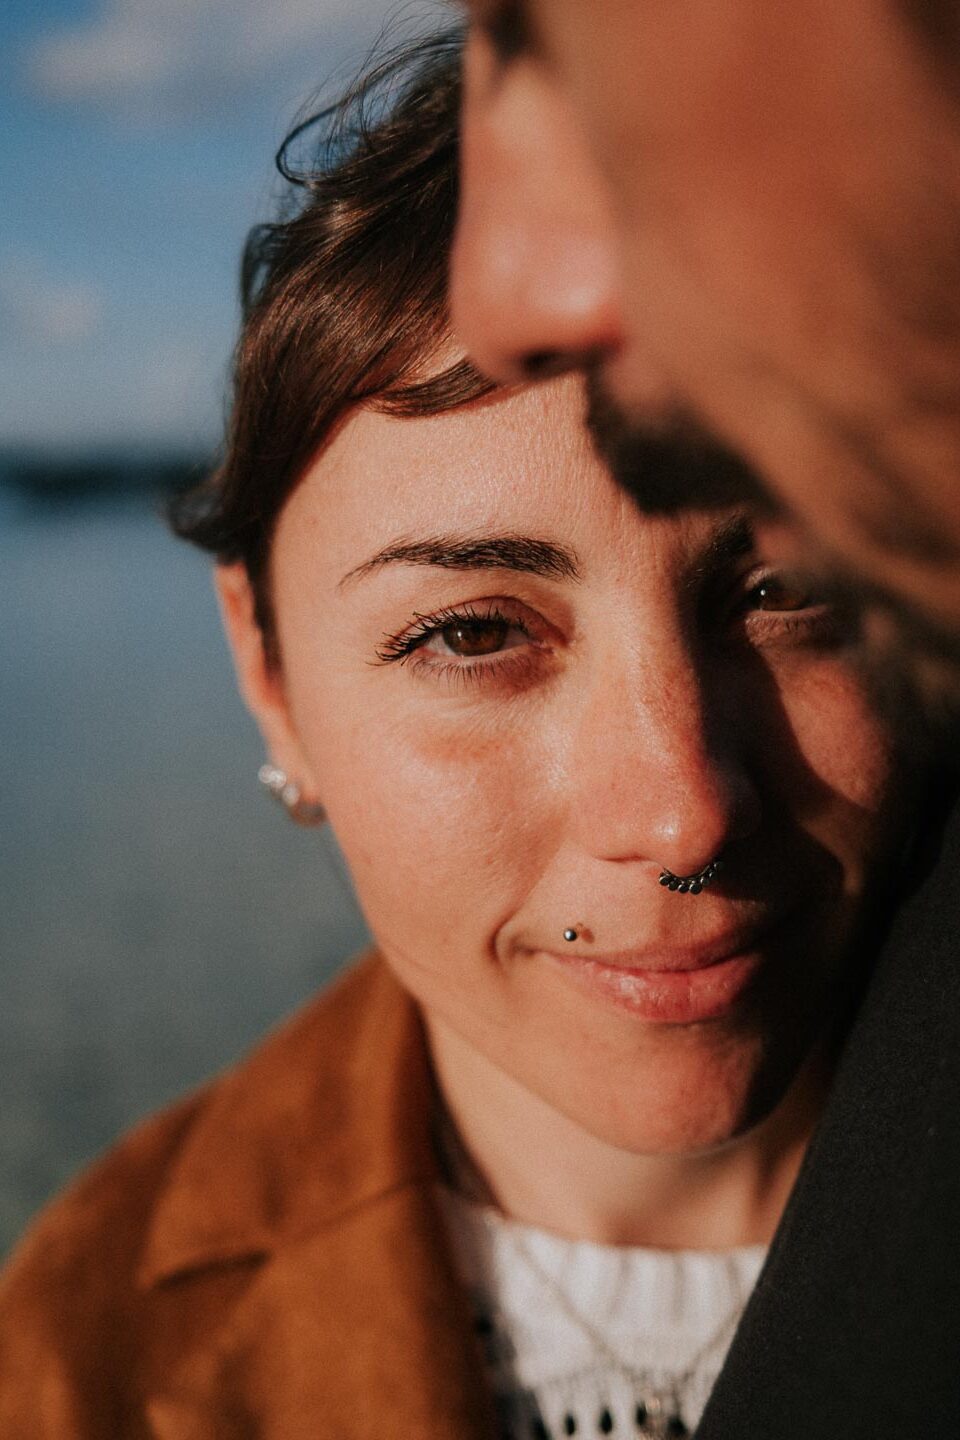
{"x": 260, "y": 681}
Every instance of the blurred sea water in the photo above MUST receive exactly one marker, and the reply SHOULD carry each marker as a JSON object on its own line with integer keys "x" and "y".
{"x": 156, "y": 914}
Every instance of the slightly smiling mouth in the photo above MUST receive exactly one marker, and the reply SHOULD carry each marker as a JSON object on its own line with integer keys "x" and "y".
{"x": 678, "y": 988}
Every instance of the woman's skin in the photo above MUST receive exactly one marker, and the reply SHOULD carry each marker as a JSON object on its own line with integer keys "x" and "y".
{"x": 641, "y": 693}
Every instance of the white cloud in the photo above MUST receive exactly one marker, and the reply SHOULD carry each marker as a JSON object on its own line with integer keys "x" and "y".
{"x": 133, "y": 392}
{"x": 45, "y": 309}
{"x": 169, "y": 58}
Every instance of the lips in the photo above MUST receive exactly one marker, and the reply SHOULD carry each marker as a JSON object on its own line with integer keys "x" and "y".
{"x": 676, "y": 985}
{"x": 662, "y": 959}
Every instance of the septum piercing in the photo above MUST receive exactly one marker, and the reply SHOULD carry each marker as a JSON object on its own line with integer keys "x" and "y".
{"x": 690, "y": 884}
{"x": 682, "y": 884}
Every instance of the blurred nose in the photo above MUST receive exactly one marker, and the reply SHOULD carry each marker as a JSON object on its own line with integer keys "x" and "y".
{"x": 533, "y": 278}
{"x": 660, "y": 778}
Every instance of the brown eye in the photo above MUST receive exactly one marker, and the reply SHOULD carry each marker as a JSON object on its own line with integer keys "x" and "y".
{"x": 781, "y": 592}
{"x": 475, "y": 637}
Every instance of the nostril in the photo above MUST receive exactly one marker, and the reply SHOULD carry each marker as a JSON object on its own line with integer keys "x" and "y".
{"x": 544, "y": 364}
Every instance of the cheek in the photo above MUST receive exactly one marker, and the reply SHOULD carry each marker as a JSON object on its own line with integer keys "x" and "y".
{"x": 445, "y": 828}
{"x": 838, "y": 770}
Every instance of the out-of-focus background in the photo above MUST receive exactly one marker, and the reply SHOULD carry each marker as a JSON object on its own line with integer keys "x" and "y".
{"x": 156, "y": 913}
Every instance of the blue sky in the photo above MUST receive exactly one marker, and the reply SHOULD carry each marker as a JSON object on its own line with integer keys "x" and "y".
{"x": 137, "y": 148}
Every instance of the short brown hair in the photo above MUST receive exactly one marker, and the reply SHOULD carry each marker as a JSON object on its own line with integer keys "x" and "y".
{"x": 344, "y": 303}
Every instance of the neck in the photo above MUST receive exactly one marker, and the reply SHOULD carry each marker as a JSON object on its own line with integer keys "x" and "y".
{"x": 508, "y": 1147}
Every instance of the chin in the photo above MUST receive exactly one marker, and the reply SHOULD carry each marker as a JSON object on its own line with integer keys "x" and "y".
{"x": 702, "y": 1101}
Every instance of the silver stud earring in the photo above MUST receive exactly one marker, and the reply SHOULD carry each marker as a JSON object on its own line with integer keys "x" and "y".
{"x": 287, "y": 792}
{"x": 690, "y": 884}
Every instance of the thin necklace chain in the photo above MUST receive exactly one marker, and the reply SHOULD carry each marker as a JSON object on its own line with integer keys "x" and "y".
{"x": 661, "y": 1404}
{"x": 658, "y": 1401}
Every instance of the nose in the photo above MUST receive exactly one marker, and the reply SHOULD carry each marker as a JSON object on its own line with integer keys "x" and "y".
{"x": 533, "y": 288}
{"x": 662, "y": 775}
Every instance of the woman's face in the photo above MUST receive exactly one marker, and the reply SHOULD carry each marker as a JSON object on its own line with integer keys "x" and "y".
{"x": 519, "y": 700}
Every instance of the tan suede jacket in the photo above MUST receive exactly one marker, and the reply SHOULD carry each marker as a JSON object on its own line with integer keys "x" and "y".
{"x": 264, "y": 1259}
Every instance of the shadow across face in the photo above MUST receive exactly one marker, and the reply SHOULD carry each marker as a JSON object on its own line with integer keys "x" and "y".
{"x": 669, "y": 462}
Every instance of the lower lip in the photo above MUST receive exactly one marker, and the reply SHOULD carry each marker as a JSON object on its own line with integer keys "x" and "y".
{"x": 667, "y": 997}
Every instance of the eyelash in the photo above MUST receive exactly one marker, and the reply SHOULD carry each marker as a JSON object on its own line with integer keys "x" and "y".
{"x": 817, "y": 622}
{"x": 403, "y": 647}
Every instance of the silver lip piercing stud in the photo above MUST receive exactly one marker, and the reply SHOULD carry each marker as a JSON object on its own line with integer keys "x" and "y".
{"x": 690, "y": 884}
{"x": 570, "y": 934}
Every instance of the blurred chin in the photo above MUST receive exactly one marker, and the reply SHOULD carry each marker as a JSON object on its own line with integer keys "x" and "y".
{"x": 664, "y": 458}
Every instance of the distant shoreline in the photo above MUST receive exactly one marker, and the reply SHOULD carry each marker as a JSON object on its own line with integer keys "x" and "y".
{"x": 55, "y": 479}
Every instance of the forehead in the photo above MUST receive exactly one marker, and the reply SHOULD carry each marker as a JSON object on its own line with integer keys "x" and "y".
{"x": 520, "y": 459}
{"x": 517, "y": 464}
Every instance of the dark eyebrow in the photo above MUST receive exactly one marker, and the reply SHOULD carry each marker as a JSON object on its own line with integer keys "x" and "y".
{"x": 730, "y": 541}
{"x": 476, "y": 552}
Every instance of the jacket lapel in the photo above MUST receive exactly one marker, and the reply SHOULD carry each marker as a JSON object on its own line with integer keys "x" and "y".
{"x": 311, "y": 1166}
{"x": 357, "y": 1334}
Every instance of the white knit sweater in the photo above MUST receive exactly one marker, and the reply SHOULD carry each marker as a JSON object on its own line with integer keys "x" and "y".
{"x": 584, "y": 1340}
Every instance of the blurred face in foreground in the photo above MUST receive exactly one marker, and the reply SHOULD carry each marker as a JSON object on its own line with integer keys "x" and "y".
{"x": 519, "y": 699}
{"x": 746, "y": 215}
